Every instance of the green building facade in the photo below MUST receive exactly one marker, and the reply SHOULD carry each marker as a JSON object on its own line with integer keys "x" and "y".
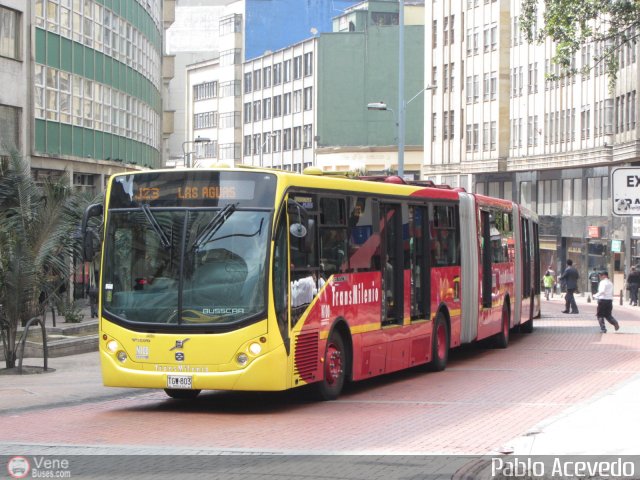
{"x": 357, "y": 68}
{"x": 97, "y": 82}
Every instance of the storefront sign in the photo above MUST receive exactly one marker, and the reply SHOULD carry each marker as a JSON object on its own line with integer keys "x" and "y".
{"x": 616, "y": 246}
{"x": 593, "y": 231}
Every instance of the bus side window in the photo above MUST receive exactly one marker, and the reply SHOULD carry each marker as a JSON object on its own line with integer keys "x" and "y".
{"x": 362, "y": 241}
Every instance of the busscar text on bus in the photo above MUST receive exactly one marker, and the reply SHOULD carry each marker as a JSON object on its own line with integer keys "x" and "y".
{"x": 265, "y": 280}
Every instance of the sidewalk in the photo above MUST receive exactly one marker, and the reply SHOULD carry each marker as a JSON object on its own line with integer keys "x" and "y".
{"x": 594, "y": 427}
{"x": 68, "y": 380}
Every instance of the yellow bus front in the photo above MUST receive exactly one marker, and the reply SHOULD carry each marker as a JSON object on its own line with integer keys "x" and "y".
{"x": 184, "y": 283}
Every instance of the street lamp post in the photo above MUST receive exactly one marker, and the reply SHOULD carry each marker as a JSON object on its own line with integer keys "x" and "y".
{"x": 187, "y": 155}
{"x": 402, "y": 104}
{"x": 399, "y": 122}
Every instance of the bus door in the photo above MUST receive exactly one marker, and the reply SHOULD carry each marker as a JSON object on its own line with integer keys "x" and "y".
{"x": 392, "y": 263}
{"x": 486, "y": 263}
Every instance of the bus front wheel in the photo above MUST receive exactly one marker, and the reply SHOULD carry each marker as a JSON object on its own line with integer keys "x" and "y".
{"x": 334, "y": 364}
{"x": 181, "y": 394}
{"x": 439, "y": 344}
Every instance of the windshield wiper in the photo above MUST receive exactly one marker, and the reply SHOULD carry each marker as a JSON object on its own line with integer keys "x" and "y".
{"x": 214, "y": 225}
{"x": 164, "y": 240}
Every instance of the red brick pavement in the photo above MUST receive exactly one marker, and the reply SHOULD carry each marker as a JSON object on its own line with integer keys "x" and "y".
{"x": 483, "y": 399}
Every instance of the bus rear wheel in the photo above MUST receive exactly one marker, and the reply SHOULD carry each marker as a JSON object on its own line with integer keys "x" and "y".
{"x": 335, "y": 361}
{"x": 181, "y": 394}
{"x": 501, "y": 340}
{"x": 439, "y": 344}
{"x": 527, "y": 327}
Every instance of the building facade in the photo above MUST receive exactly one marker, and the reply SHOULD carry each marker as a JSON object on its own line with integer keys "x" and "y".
{"x": 84, "y": 86}
{"x": 307, "y": 104}
{"x": 497, "y": 125}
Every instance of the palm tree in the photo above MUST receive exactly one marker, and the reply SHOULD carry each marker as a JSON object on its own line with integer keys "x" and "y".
{"x": 37, "y": 241}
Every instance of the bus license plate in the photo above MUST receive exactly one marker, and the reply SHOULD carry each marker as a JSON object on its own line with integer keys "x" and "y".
{"x": 179, "y": 381}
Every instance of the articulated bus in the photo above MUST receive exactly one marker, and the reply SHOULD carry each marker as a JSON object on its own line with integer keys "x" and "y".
{"x": 266, "y": 280}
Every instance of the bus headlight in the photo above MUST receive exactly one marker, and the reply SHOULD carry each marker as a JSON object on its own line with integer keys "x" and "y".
{"x": 255, "y": 349}
{"x": 242, "y": 359}
{"x": 122, "y": 356}
{"x": 112, "y": 346}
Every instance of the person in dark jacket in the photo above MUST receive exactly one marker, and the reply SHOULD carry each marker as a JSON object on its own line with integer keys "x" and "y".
{"x": 633, "y": 282}
{"x": 570, "y": 278}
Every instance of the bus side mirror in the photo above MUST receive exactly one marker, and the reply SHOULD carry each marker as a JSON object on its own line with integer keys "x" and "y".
{"x": 90, "y": 237}
{"x": 300, "y": 225}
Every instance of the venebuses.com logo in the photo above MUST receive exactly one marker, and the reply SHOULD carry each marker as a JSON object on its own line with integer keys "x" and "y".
{"x": 18, "y": 467}
{"x": 38, "y": 467}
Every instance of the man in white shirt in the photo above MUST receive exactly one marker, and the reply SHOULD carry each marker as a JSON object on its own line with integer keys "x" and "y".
{"x": 605, "y": 302}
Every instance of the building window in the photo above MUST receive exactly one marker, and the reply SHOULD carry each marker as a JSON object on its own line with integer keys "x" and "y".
{"x": 257, "y": 110}
{"x": 307, "y": 136}
{"x": 445, "y": 31}
{"x": 297, "y": 138}
{"x": 205, "y": 120}
{"x": 9, "y": 33}
{"x": 287, "y": 103}
{"x": 445, "y": 125}
{"x": 210, "y": 149}
{"x": 308, "y": 64}
{"x": 485, "y": 136}
{"x": 230, "y": 120}
{"x": 297, "y": 67}
{"x": 276, "y": 141}
{"x": 229, "y": 151}
{"x": 287, "y": 71}
{"x": 297, "y": 101}
{"x": 434, "y": 34}
{"x": 266, "y": 77}
{"x": 286, "y": 139}
{"x": 257, "y": 146}
{"x": 434, "y": 123}
{"x": 494, "y": 135}
{"x": 9, "y": 129}
{"x": 248, "y": 77}
{"x": 277, "y": 106}
{"x": 257, "y": 75}
{"x": 585, "y": 121}
{"x": 308, "y": 98}
{"x": 525, "y": 195}
{"x": 246, "y": 146}
{"x": 230, "y": 24}
{"x": 247, "y": 112}
{"x": 266, "y": 108}
{"x": 277, "y": 73}
{"x": 597, "y": 196}
{"x": 230, "y": 57}
{"x": 230, "y": 89}
{"x": 205, "y": 90}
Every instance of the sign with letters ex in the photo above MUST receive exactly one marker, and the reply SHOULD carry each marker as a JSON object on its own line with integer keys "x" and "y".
{"x": 625, "y": 191}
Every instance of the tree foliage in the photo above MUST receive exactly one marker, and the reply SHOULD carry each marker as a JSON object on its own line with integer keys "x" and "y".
{"x": 572, "y": 24}
{"x": 37, "y": 241}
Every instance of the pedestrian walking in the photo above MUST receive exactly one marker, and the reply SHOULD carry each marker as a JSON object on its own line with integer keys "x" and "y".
{"x": 548, "y": 282}
{"x": 633, "y": 282}
{"x": 605, "y": 303}
{"x": 594, "y": 280}
{"x": 570, "y": 278}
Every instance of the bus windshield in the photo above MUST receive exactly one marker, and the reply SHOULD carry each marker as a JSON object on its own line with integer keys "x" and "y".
{"x": 189, "y": 266}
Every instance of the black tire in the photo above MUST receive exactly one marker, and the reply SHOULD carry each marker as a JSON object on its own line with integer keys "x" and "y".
{"x": 527, "y": 327}
{"x": 439, "y": 344}
{"x": 334, "y": 365}
{"x": 501, "y": 340}
{"x": 179, "y": 394}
